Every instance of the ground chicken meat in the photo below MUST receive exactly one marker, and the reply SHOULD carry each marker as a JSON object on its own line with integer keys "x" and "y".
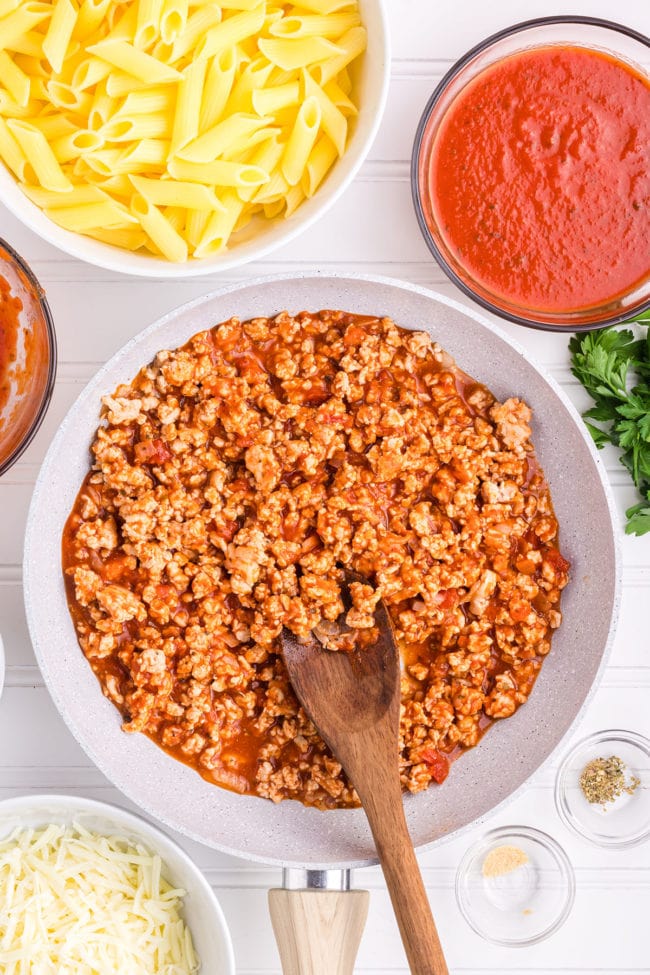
{"x": 231, "y": 483}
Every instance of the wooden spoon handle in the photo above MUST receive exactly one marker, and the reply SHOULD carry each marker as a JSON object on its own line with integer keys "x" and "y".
{"x": 318, "y": 931}
{"x": 404, "y": 880}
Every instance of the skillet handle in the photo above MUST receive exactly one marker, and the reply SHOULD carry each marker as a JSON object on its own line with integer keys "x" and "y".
{"x": 318, "y": 931}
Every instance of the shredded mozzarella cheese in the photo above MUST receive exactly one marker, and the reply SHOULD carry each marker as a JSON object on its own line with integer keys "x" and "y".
{"x": 78, "y": 903}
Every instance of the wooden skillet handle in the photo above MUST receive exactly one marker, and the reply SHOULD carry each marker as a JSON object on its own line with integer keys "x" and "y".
{"x": 318, "y": 931}
{"x": 410, "y": 902}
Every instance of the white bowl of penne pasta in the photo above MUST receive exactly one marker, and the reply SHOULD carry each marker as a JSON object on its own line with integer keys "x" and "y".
{"x": 171, "y": 138}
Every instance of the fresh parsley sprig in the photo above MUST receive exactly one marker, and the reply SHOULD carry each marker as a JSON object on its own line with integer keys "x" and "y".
{"x": 613, "y": 365}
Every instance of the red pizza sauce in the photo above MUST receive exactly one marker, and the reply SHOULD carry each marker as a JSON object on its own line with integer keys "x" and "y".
{"x": 10, "y": 308}
{"x": 539, "y": 179}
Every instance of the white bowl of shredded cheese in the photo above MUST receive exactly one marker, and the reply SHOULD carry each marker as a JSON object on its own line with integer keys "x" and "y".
{"x": 89, "y": 887}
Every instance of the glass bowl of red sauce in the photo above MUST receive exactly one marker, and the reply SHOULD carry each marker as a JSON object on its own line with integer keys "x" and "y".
{"x": 531, "y": 173}
{"x": 27, "y": 356}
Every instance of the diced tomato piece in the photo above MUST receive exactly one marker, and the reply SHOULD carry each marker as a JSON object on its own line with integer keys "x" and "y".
{"x": 559, "y": 563}
{"x": 152, "y": 452}
{"x": 447, "y": 598}
{"x": 354, "y": 335}
{"x": 437, "y": 763}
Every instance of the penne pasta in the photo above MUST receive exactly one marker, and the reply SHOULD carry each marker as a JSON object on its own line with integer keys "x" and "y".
{"x": 70, "y": 146}
{"x": 11, "y": 109}
{"x": 67, "y": 97}
{"x": 159, "y": 229}
{"x": 124, "y": 23}
{"x": 14, "y": 79}
{"x": 321, "y": 159}
{"x": 133, "y": 62}
{"x": 59, "y": 33}
{"x": 30, "y": 43}
{"x": 293, "y": 199}
{"x": 21, "y": 21}
{"x": 90, "y": 16}
{"x": 301, "y": 141}
{"x": 331, "y": 26}
{"x": 7, "y": 6}
{"x": 325, "y": 6}
{"x": 238, "y": 152}
{"x": 234, "y": 130}
{"x": 89, "y": 73}
{"x": 291, "y": 54}
{"x": 352, "y": 44}
{"x": 266, "y": 156}
{"x": 218, "y": 85}
{"x": 188, "y": 105}
{"x": 218, "y": 173}
{"x": 146, "y": 156}
{"x": 267, "y": 101}
{"x": 231, "y": 31}
{"x": 131, "y": 239}
{"x": 104, "y": 162}
{"x": 148, "y": 101}
{"x": 235, "y": 4}
{"x": 343, "y": 80}
{"x": 91, "y": 215}
{"x": 148, "y": 22}
{"x": 78, "y": 196}
{"x": 170, "y": 192}
{"x": 195, "y": 225}
{"x": 135, "y": 128}
{"x": 37, "y": 150}
{"x": 253, "y": 77}
{"x": 198, "y": 23}
{"x": 333, "y": 121}
{"x": 39, "y": 90}
{"x": 11, "y": 153}
{"x": 173, "y": 20}
{"x": 220, "y": 226}
{"x": 339, "y": 98}
{"x": 275, "y": 189}
{"x": 175, "y": 217}
{"x": 273, "y": 210}
{"x": 54, "y": 126}
{"x": 103, "y": 107}
{"x": 119, "y": 84}
{"x": 120, "y": 186}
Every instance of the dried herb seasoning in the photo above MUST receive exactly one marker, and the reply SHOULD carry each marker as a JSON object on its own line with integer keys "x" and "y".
{"x": 603, "y": 780}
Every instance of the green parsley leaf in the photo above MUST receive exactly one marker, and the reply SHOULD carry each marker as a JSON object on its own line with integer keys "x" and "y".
{"x": 638, "y": 519}
{"x": 613, "y": 365}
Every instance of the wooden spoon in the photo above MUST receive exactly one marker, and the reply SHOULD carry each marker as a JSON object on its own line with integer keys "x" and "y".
{"x": 354, "y": 701}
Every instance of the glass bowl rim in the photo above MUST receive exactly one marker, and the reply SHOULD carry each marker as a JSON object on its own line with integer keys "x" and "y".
{"x": 48, "y": 388}
{"x": 439, "y": 90}
{"x": 561, "y": 859}
{"x": 572, "y": 822}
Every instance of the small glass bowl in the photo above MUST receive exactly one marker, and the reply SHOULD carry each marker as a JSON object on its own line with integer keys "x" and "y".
{"x": 32, "y": 375}
{"x": 521, "y": 907}
{"x": 624, "y": 44}
{"x": 624, "y": 822}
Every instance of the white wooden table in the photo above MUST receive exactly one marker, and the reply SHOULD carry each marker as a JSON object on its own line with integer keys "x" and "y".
{"x": 372, "y": 229}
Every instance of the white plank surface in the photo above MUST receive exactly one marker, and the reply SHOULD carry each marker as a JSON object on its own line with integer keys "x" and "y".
{"x": 371, "y": 229}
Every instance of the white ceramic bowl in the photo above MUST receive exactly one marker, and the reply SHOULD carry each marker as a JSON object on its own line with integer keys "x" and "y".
{"x": 201, "y": 910}
{"x": 254, "y": 242}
